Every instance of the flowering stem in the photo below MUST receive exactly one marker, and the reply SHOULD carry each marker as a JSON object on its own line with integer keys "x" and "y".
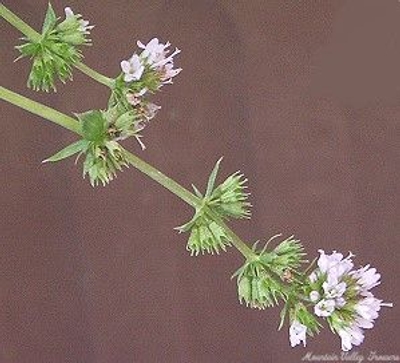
{"x": 188, "y": 197}
{"x": 40, "y": 110}
{"x": 168, "y": 183}
{"x": 109, "y": 82}
{"x": 34, "y": 36}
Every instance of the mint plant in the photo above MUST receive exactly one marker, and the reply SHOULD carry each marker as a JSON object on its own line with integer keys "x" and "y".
{"x": 329, "y": 290}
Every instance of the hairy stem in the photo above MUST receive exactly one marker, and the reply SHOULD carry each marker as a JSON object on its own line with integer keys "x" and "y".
{"x": 109, "y": 82}
{"x": 34, "y": 36}
{"x": 168, "y": 183}
{"x": 40, "y": 110}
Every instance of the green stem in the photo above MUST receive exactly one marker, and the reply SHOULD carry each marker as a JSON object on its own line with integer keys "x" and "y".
{"x": 40, "y": 110}
{"x": 109, "y": 82}
{"x": 73, "y": 125}
{"x": 188, "y": 197}
{"x": 34, "y": 36}
{"x": 162, "y": 179}
{"x": 168, "y": 183}
{"x": 18, "y": 23}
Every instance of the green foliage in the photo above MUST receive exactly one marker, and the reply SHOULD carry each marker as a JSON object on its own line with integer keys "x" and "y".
{"x": 72, "y": 149}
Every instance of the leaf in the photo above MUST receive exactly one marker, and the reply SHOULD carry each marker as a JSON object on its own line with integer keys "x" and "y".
{"x": 49, "y": 20}
{"x": 93, "y": 125}
{"x": 68, "y": 151}
{"x": 211, "y": 179}
{"x": 197, "y": 192}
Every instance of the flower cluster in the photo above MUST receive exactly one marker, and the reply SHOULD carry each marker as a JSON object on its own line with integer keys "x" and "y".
{"x": 341, "y": 295}
{"x": 101, "y": 132}
{"x": 128, "y": 112}
{"x": 260, "y": 279}
{"x": 142, "y": 75}
{"x": 56, "y": 51}
{"x": 155, "y": 59}
{"x": 227, "y": 200}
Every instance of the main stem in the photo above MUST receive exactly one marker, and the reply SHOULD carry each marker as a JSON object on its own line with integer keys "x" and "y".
{"x": 34, "y": 36}
{"x": 40, "y": 110}
{"x": 168, "y": 183}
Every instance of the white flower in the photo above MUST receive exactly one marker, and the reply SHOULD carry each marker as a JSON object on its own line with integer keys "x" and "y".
{"x": 153, "y": 51}
{"x": 324, "y": 308}
{"x": 297, "y": 333}
{"x": 335, "y": 265}
{"x": 155, "y": 54}
{"x": 340, "y": 302}
{"x": 132, "y": 68}
{"x": 84, "y": 24}
{"x": 313, "y": 276}
{"x": 332, "y": 288}
{"x": 366, "y": 277}
{"x": 314, "y": 296}
{"x": 366, "y": 312}
{"x": 350, "y": 336}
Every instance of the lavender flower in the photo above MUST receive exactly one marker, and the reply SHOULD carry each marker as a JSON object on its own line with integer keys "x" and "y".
{"x": 132, "y": 68}
{"x": 297, "y": 333}
{"x": 342, "y": 296}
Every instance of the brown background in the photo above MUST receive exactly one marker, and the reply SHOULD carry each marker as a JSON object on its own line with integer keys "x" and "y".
{"x": 302, "y": 96}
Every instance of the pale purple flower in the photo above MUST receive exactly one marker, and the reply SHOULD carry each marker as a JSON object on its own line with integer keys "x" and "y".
{"x": 151, "y": 110}
{"x": 325, "y": 308}
{"x": 340, "y": 302}
{"x": 366, "y": 277}
{"x": 333, "y": 288}
{"x": 168, "y": 73}
{"x": 297, "y": 333}
{"x": 132, "y": 68}
{"x": 339, "y": 287}
{"x": 157, "y": 56}
{"x": 153, "y": 51}
{"x": 335, "y": 265}
{"x": 352, "y": 335}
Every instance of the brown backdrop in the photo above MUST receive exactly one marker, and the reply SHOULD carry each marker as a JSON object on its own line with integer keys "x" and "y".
{"x": 302, "y": 96}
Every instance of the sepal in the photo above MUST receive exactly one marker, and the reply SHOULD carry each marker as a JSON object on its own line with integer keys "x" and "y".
{"x": 206, "y": 236}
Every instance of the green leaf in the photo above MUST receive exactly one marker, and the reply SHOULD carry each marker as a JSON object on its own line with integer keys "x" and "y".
{"x": 197, "y": 192}
{"x": 49, "y": 20}
{"x": 93, "y": 125}
{"x": 211, "y": 179}
{"x": 68, "y": 151}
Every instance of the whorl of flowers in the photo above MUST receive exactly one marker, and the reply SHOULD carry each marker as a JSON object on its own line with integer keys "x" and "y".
{"x": 128, "y": 113}
{"x": 342, "y": 296}
{"x": 55, "y": 52}
{"x": 228, "y": 200}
